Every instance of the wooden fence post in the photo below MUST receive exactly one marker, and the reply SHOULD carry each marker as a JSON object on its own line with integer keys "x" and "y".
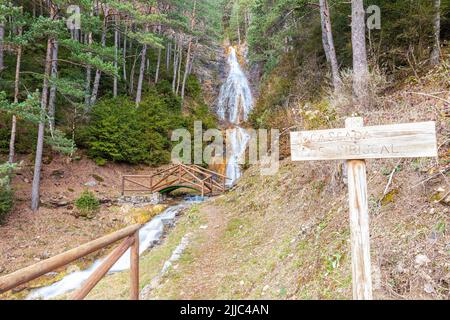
{"x": 354, "y": 144}
{"x": 359, "y": 223}
{"x": 101, "y": 271}
{"x": 134, "y": 271}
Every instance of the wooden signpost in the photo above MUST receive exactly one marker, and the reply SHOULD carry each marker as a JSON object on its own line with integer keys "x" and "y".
{"x": 356, "y": 143}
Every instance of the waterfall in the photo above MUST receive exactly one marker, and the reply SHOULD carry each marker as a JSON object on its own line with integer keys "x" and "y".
{"x": 234, "y": 105}
{"x": 237, "y": 140}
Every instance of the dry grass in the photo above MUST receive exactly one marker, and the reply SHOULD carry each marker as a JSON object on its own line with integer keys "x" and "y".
{"x": 287, "y": 236}
{"x": 27, "y": 237}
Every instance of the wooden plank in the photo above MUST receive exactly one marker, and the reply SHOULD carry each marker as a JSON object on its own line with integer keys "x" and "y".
{"x": 164, "y": 185}
{"x": 102, "y": 270}
{"x": 387, "y": 141}
{"x": 187, "y": 171}
{"x": 359, "y": 229}
{"x": 137, "y": 176}
{"x": 139, "y": 184}
{"x": 194, "y": 169}
{"x": 134, "y": 270}
{"x": 166, "y": 177}
{"x": 165, "y": 170}
{"x": 32, "y": 272}
{"x": 359, "y": 224}
{"x": 210, "y": 171}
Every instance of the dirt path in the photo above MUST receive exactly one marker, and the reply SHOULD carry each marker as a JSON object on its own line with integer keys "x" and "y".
{"x": 204, "y": 274}
{"x": 199, "y": 274}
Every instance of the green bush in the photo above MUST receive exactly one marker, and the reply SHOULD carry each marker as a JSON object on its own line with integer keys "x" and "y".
{"x": 25, "y": 137}
{"x": 120, "y": 132}
{"x": 6, "y": 203}
{"x": 6, "y": 194}
{"x": 193, "y": 87}
{"x": 87, "y": 202}
{"x": 113, "y": 133}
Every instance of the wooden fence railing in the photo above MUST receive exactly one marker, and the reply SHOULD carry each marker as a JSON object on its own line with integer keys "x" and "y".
{"x": 194, "y": 176}
{"x": 130, "y": 237}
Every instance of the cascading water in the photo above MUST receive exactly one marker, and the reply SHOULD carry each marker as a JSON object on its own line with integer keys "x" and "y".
{"x": 237, "y": 140}
{"x": 234, "y": 106}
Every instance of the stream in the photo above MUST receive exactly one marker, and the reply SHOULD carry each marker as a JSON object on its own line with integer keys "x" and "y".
{"x": 150, "y": 234}
{"x": 234, "y": 105}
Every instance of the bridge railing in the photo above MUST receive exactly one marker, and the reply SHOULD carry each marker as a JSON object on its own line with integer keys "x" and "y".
{"x": 130, "y": 237}
{"x": 136, "y": 183}
{"x": 205, "y": 180}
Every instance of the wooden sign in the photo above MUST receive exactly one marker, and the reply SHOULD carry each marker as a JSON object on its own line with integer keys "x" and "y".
{"x": 359, "y": 142}
{"x": 408, "y": 140}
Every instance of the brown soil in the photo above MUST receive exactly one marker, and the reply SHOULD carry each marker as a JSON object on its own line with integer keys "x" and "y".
{"x": 28, "y": 237}
{"x": 287, "y": 236}
{"x": 202, "y": 279}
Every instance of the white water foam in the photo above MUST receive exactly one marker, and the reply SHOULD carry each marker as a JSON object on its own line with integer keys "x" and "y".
{"x": 235, "y": 104}
{"x": 235, "y": 99}
{"x": 237, "y": 140}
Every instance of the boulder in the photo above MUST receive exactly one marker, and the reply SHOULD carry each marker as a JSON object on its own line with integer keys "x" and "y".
{"x": 91, "y": 183}
{"x": 145, "y": 214}
{"x": 56, "y": 202}
{"x": 421, "y": 260}
{"x": 57, "y": 174}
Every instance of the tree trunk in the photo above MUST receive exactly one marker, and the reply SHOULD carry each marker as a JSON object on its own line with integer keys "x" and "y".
{"x": 141, "y": 75}
{"x": 180, "y": 62}
{"x": 326, "y": 48}
{"x": 194, "y": 54}
{"x": 168, "y": 56}
{"x": 238, "y": 29}
{"x": 175, "y": 66}
{"x": 124, "y": 57}
{"x": 360, "y": 66}
{"x": 87, "y": 99}
{"x": 98, "y": 73}
{"x": 436, "y": 53}
{"x": 2, "y": 36}
{"x": 149, "y": 72}
{"x": 158, "y": 66}
{"x": 132, "y": 72}
{"x": 116, "y": 55}
{"x": 12, "y": 141}
{"x": 54, "y": 76}
{"x": 325, "y": 16}
{"x": 40, "y": 140}
{"x": 186, "y": 71}
{"x": 188, "y": 56}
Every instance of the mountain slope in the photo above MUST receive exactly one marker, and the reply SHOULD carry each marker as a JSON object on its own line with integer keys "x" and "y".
{"x": 287, "y": 236}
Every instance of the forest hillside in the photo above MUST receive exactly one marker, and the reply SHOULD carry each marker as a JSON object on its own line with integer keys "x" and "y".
{"x": 93, "y": 93}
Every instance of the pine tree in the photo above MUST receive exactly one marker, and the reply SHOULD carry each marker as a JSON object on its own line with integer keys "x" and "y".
{"x": 330, "y": 51}
{"x": 360, "y": 65}
{"x": 35, "y": 196}
{"x": 436, "y": 52}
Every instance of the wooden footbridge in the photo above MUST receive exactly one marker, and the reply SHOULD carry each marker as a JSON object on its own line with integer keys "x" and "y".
{"x": 172, "y": 178}
{"x": 194, "y": 177}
